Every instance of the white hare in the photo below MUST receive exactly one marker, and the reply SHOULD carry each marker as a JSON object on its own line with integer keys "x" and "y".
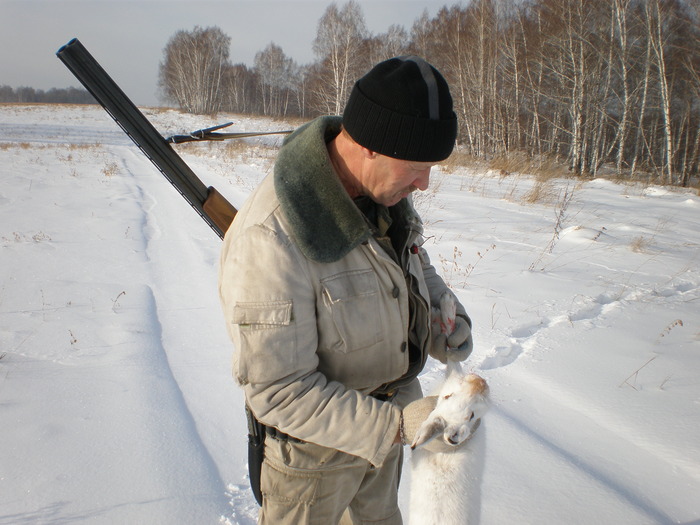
{"x": 448, "y": 452}
{"x": 445, "y": 470}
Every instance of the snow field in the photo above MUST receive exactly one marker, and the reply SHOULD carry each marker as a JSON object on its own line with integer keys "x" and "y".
{"x": 116, "y": 399}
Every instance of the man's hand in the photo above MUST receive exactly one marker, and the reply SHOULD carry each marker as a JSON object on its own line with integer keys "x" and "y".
{"x": 413, "y": 416}
{"x": 459, "y": 342}
{"x": 454, "y": 347}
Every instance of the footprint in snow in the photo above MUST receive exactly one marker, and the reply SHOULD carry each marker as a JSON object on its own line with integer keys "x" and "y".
{"x": 501, "y": 356}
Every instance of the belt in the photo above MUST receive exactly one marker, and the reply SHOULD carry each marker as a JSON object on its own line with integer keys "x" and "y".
{"x": 277, "y": 434}
{"x": 384, "y": 396}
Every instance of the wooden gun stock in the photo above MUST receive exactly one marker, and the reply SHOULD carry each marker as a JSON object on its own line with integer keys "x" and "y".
{"x": 218, "y": 209}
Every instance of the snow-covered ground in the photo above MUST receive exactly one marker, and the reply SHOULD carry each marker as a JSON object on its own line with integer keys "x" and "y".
{"x": 116, "y": 401}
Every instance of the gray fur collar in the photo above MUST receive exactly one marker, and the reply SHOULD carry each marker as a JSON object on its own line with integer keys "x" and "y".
{"x": 325, "y": 221}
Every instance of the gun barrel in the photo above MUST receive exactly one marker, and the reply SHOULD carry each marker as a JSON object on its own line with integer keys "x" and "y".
{"x": 96, "y": 80}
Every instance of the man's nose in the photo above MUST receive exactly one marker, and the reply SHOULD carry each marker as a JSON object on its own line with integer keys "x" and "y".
{"x": 423, "y": 180}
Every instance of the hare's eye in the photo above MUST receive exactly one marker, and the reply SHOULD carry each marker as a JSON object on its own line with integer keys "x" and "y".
{"x": 471, "y": 417}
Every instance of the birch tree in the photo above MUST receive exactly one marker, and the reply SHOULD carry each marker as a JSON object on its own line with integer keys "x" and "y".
{"x": 619, "y": 13}
{"x": 276, "y": 78}
{"x": 657, "y": 41}
{"x": 238, "y": 90}
{"x": 391, "y": 44}
{"x": 338, "y": 45}
{"x": 422, "y": 36}
{"x": 193, "y": 67}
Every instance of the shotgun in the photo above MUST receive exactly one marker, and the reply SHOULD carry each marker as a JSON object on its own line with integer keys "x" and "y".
{"x": 213, "y": 207}
{"x": 216, "y": 211}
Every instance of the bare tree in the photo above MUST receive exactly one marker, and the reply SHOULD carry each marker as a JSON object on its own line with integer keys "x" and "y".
{"x": 619, "y": 10}
{"x": 239, "y": 90}
{"x": 448, "y": 54}
{"x": 338, "y": 45}
{"x": 467, "y": 54}
{"x": 692, "y": 64}
{"x": 511, "y": 77}
{"x": 300, "y": 88}
{"x": 657, "y": 40}
{"x": 193, "y": 67}
{"x": 276, "y": 76}
{"x": 533, "y": 74}
{"x": 391, "y": 44}
{"x": 422, "y": 36}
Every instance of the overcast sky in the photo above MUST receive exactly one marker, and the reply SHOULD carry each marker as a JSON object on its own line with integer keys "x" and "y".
{"x": 128, "y": 36}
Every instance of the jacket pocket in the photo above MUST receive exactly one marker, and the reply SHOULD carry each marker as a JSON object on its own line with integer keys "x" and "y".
{"x": 354, "y": 301}
{"x": 262, "y": 315}
{"x": 267, "y": 334}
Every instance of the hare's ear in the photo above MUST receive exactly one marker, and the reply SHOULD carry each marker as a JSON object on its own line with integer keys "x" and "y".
{"x": 430, "y": 428}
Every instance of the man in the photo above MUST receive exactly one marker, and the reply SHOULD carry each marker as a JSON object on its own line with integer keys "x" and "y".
{"x": 327, "y": 295}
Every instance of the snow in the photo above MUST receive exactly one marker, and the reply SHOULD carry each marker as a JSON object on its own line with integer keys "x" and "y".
{"x": 116, "y": 399}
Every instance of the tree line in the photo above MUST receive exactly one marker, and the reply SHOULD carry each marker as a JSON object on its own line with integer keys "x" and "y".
{"x": 592, "y": 82}
{"x": 29, "y": 95}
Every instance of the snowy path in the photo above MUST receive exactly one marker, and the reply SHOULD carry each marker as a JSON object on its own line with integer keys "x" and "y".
{"x": 85, "y": 334}
{"x": 130, "y": 410}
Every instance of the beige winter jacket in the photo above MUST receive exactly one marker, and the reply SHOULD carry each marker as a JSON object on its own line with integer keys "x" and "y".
{"x": 317, "y": 310}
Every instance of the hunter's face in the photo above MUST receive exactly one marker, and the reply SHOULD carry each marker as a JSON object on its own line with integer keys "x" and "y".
{"x": 390, "y": 180}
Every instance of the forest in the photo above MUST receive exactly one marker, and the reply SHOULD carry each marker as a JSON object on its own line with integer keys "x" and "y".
{"x": 29, "y": 95}
{"x": 599, "y": 85}
{"x": 593, "y": 83}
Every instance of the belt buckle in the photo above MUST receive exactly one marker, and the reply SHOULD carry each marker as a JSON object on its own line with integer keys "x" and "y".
{"x": 387, "y": 396}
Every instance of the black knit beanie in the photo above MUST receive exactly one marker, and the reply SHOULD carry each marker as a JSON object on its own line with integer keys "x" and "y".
{"x": 402, "y": 109}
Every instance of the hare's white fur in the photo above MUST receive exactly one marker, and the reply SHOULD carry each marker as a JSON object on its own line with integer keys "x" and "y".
{"x": 446, "y": 484}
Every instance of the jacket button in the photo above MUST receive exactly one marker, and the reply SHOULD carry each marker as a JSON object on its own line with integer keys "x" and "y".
{"x": 404, "y": 345}
{"x": 395, "y": 292}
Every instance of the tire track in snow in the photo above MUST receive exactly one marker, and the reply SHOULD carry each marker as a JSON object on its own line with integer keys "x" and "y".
{"x": 191, "y": 451}
{"x": 137, "y": 167}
